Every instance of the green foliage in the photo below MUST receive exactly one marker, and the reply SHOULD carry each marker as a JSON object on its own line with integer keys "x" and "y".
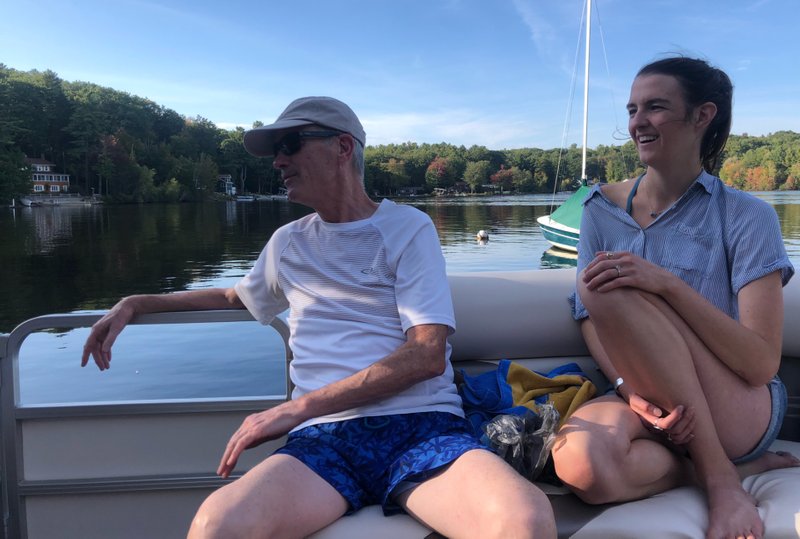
{"x": 169, "y": 191}
{"x": 205, "y": 175}
{"x": 477, "y": 174}
{"x": 131, "y": 149}
{"x": 14, "y": 174}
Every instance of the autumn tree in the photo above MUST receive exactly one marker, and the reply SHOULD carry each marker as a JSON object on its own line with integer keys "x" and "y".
{"x": 761, "y": 178}
{"x": 504, "y": 178}
{"x": 440, "y": 173}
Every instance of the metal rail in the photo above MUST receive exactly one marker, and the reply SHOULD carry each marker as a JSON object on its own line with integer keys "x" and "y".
{"x": 15, "y": 489}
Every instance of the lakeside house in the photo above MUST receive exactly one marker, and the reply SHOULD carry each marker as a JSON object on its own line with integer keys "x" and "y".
{"x": 225, "y": 184}
{"x": 44, "y": 178}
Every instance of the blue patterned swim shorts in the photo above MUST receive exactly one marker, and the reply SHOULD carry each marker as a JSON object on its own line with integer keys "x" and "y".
{"x": 366, "y": 459}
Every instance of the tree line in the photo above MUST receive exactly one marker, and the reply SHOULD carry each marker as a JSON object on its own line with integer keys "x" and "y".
{"x": 130, "y": 149}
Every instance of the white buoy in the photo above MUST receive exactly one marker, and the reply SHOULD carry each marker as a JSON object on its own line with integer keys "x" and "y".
{"x": 482, "y": 235}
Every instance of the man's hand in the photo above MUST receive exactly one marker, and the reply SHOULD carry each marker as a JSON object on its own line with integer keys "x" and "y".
{"x": 257, "y": 429}
{"x": 104, "y": 333}
{"x": 420, "y": 358}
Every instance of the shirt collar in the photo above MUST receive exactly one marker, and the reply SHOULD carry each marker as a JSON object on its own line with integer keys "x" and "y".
{"x": 706, "y": 180}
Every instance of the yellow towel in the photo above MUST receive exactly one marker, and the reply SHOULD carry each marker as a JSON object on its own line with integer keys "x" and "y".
{"x": 565, "y": 392}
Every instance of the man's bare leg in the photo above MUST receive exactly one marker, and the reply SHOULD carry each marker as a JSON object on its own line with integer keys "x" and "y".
{"x": 479, "y": 495}
{"x": 279, "y": 498}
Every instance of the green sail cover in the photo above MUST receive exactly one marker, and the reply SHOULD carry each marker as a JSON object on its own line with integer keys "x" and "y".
{"x": 569, "y": 213}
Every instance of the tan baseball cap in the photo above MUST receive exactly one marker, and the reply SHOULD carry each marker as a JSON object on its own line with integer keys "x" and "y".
{"x": 322, "y": 111}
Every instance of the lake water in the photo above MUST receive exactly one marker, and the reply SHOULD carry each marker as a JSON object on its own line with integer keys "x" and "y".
{"x": 84, "y": 258}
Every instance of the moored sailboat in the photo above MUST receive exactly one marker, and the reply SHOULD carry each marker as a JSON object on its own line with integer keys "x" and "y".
{"x": 562, "y": 227}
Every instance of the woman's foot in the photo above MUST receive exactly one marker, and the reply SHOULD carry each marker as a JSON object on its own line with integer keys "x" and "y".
{"x": 732, "y": 513}
{"x": 768, "y": 461}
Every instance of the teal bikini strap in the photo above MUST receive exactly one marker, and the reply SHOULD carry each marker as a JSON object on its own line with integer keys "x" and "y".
{"x": 629, "y": 205}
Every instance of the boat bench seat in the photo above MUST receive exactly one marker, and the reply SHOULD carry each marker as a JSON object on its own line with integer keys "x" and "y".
{"x": 129, "y": 470}
{"x": 525, "y": 316}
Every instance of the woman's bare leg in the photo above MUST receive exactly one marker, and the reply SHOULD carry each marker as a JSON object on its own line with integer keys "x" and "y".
{"x": 604, "y": 453}
{"x": 663, "y": 359}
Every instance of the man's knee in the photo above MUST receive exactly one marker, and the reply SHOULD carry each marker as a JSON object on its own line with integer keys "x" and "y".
{"x": 209, "y": 521}
{"x": 537, "y": 518}
{"x": 518, "y": 509}
{"x": 217, "y": 519}
{"x": 531, "y": 517}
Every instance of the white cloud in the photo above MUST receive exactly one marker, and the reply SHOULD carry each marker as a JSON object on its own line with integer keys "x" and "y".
{"x": 455, "y": 127}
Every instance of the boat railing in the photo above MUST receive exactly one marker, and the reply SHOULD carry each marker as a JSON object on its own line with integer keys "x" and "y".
{"x": 58, "y": 457}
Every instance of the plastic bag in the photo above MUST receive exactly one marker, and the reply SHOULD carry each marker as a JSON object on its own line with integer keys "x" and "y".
{"x": 524, "y": 441}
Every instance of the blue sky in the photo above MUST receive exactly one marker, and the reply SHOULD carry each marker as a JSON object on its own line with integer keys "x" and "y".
{"x": 495, "y": 73}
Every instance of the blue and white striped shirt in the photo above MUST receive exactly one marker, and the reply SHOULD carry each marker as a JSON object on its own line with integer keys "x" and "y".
{"x": 716, "y": 238}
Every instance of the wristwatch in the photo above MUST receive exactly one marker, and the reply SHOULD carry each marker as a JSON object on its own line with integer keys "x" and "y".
{"x": 617, "y": 383}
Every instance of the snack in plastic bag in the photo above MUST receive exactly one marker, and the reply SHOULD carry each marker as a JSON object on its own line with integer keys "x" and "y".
{"x": 524, "y": 441}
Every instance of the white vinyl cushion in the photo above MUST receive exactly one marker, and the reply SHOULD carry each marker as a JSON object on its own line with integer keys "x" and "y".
{"x": 682, "y": 512}
{"x": 525, "y": 316}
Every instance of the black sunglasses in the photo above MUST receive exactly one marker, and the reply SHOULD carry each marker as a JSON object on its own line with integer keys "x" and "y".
{"x": 291, "y": 143}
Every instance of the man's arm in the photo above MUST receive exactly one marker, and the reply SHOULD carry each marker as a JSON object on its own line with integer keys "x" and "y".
{"x": 420, "y": 358}
{"x": 105, "y": 331}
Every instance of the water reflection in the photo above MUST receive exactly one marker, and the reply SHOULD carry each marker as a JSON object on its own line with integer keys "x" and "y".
{"x": 237, "y": 359}
{"x": 66, "y": 258}
{"x": 788, "y": 210}
{"x": 556, "y": 258}
{"x": 62, "y": 259}
{"x": 514, "y": 241}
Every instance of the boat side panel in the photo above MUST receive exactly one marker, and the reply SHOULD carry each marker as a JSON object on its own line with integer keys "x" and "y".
{"x": 127, "y": 446}
{"x": 163, "y": 515}
{"x": 790, "y": 365}
{"x": 790, "y": 375}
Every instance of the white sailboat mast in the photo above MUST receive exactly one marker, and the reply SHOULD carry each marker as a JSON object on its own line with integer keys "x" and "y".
{"x": 586, "y": 89}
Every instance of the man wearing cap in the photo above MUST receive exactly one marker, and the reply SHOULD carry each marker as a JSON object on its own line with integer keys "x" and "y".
{"x": 375, "y": 417}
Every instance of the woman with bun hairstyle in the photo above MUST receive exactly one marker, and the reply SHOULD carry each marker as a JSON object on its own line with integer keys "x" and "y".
{"x": 679, "y": 291}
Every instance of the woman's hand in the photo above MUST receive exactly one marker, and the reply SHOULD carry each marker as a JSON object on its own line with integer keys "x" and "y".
{"x": 677, "y": 426}
{"x": 615, "y": 269}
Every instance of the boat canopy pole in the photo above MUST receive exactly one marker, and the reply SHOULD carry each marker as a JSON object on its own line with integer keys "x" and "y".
{"x": 586, "y": 90}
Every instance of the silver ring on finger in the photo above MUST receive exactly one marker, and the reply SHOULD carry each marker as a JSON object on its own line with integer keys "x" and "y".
{"x": 609, "y": 255}
{"x": 619, "y": 270}
{"x": 655, "y": 424}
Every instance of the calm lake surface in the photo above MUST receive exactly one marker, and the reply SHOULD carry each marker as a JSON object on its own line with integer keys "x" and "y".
{"x": 84, "y": 258}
